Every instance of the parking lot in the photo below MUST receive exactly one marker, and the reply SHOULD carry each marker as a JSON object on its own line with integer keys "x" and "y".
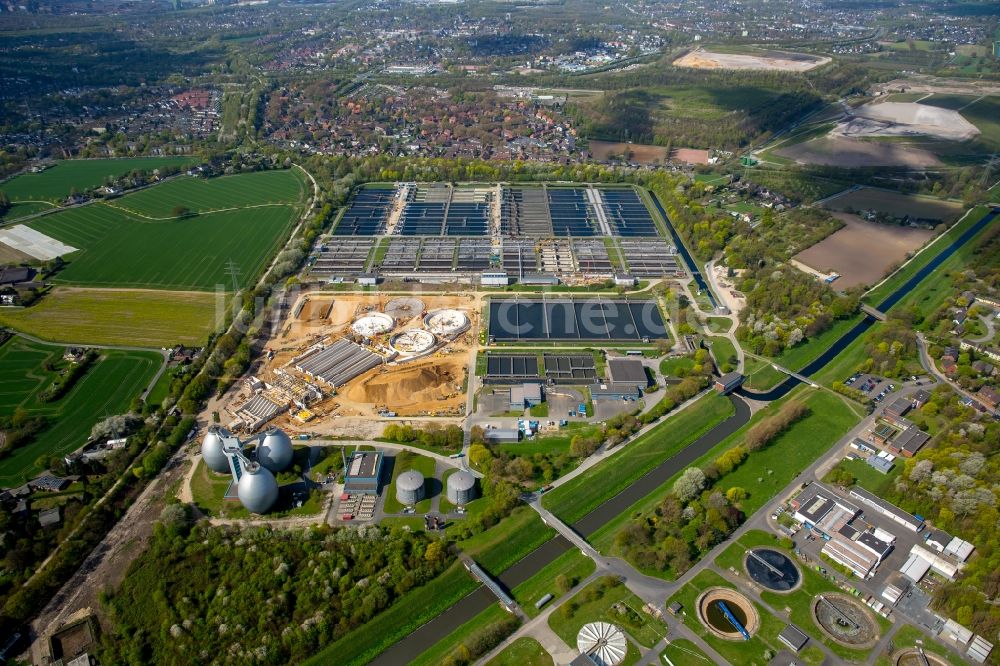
{"x": 875, "y": 387}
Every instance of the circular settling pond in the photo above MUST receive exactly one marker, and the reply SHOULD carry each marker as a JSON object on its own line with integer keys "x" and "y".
{"x": 711, "y": 613}
{"x": 911, "y": 657}
{"x": 772, "y": 569}
{"x": 845, "y": 620}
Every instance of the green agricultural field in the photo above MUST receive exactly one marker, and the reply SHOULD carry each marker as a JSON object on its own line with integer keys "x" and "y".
{"x": 22, "y": 209}
{"x": 56, "y": 183}
{"x": 201, "y": 195}
{"x": 119, "y": 250}
{"x": 108, "y": 387}
{"x": 133, "y": 318}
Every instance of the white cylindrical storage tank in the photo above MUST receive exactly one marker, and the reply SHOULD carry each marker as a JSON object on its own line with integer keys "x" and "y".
{"x": 410, "y": 487}
{"x": 461, "y": 488}
{"x": 257, "y": 490}
{"x": 446, "y": 323}
{"x": 275, "y": 450}
{"x": 372, "y": 324}
{"x": 212, "y": 453}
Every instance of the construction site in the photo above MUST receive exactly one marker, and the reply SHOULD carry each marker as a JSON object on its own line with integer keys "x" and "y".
{"x": 359, "y": 355}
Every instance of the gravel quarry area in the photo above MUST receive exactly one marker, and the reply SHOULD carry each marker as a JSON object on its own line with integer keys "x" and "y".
{"x": 773, "y": 60}
{"x": 906, "y": 119}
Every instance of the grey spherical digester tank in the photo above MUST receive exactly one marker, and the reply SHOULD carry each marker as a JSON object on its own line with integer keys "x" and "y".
{"x": 410, "y": 487}
{"x": 257, "y": 490}
{"x": 275, "y": 450}
{"x": 461, "y": 488}
{"x": 212, "y": 453}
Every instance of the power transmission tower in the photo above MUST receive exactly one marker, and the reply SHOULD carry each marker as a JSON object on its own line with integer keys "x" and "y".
{"x": 233, "y": 271}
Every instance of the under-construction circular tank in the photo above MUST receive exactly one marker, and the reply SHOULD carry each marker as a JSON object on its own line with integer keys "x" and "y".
{"x": 410, "y": 487}
{"x": 372, "y": 325}
{"x": 461, "y": 488}
{"x": 275, "y": 450}
{"x": 257, "y": 490}
{"x": 446, "y": 323}
{"x": 404, "y": 308}
{"x": 212, "y": 453}
{"x": 603, "y": 642}
{"x": 413, "y": 341}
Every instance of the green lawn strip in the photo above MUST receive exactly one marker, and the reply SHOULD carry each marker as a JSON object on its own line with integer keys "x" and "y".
{"x": 596, "y": 602}
{"x": 682, "y": 651}
{"x": 718, "y": 325}
{"x": 412, "y": 610}
{"x": 107, "y": 388}
{"x": 909, "y": 636}
{"x": 870, "y": 478}
{"x": 414, "y": 523}
{"x": 501, "y": 546}
{"x": 55, "y": 183}
{"x": 879, "y": 293}
{"x": 578, "y": 497}
{"x": 539, "y": 411}
{"x": 522, "y": 652}
{"x": 438, "y": 652}
{"x": 734, "y": 652}
{"x": 723, "y": 349}
{"x": 405, "y": 461}
{"x": 160, "y": 389}
{"x": 805, "y": 352}
{"x": 573, "y": 564}
{"x": 765, "y": 472}
{"x": 761, "y": 375}
{"x": 672, "y": 367}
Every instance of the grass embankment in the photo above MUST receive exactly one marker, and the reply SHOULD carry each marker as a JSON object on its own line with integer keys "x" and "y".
{"x": 572, "y": 564}
{"x": 581, "y": 495}
{"x": 522, "y": 652}
{"x": 134, "y": 318}
{"x": 107, "y": 387}
{"x": 495, "y": 550}
{"x": 765, "y": 472}
{"x": 438, "y": 653}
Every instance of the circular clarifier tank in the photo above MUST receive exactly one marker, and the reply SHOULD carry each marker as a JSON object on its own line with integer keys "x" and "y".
{"x": 372, "y": 324}
{"x": 413, "y": 341}
{"x": 772, "y": 569}
{"x": 404, "y": 308}
{"x": 603, "y": 642}
{"x": 845, "y": 620}
{"x": 446, "y": 323}
{"x": 713, "y": 605}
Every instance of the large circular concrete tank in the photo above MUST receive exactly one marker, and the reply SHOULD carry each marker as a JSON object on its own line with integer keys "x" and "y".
{"x": 603, "y": 642}
{"x": 212, "y": 453}
{"x": 461, "y": 488}
{"x": 275, "y": 450}
{"x": 257, "y": 490}
{"x": 372, "y": 324}
{"x": 410, "y": 487}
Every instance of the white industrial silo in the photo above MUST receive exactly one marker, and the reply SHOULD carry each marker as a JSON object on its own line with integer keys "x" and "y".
{"x": 275, "y": 450}
{"x": 461, "y": 488}
{"x": 410, "y": 487}
{"x": 211, "y": 450}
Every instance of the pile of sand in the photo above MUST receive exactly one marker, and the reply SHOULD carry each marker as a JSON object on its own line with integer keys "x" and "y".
{"x": 413, "y": 385}
{"x": 787, "y": 62}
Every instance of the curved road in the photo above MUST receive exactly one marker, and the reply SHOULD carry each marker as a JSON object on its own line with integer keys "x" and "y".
{"x": 479, "y": 600}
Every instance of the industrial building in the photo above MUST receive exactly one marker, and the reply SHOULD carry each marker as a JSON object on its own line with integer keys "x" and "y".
{"x": 793, "y": 637}
{"x": 362, "y": 472}
{"x": 608, "y": 391}
{"x": 525, "y": 395}
{"x": 627, "y": 371}
{"x": 502, "y": 435}
{"x": 887, "y": 509}
{"x": 853, "y": 545}
{"x": 337, "y": 363}
{"x": 729, "y": 382}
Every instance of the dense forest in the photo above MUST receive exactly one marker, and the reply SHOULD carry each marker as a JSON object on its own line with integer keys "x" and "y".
{"x": 232, "y": 596}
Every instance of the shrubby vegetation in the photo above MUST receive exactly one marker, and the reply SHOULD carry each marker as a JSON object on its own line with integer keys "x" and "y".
{"x": 448, "y": 437}
{"x": 255, "y": 595}
{"x": 698, "y": 514}
{"x": 65, "y": 380}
